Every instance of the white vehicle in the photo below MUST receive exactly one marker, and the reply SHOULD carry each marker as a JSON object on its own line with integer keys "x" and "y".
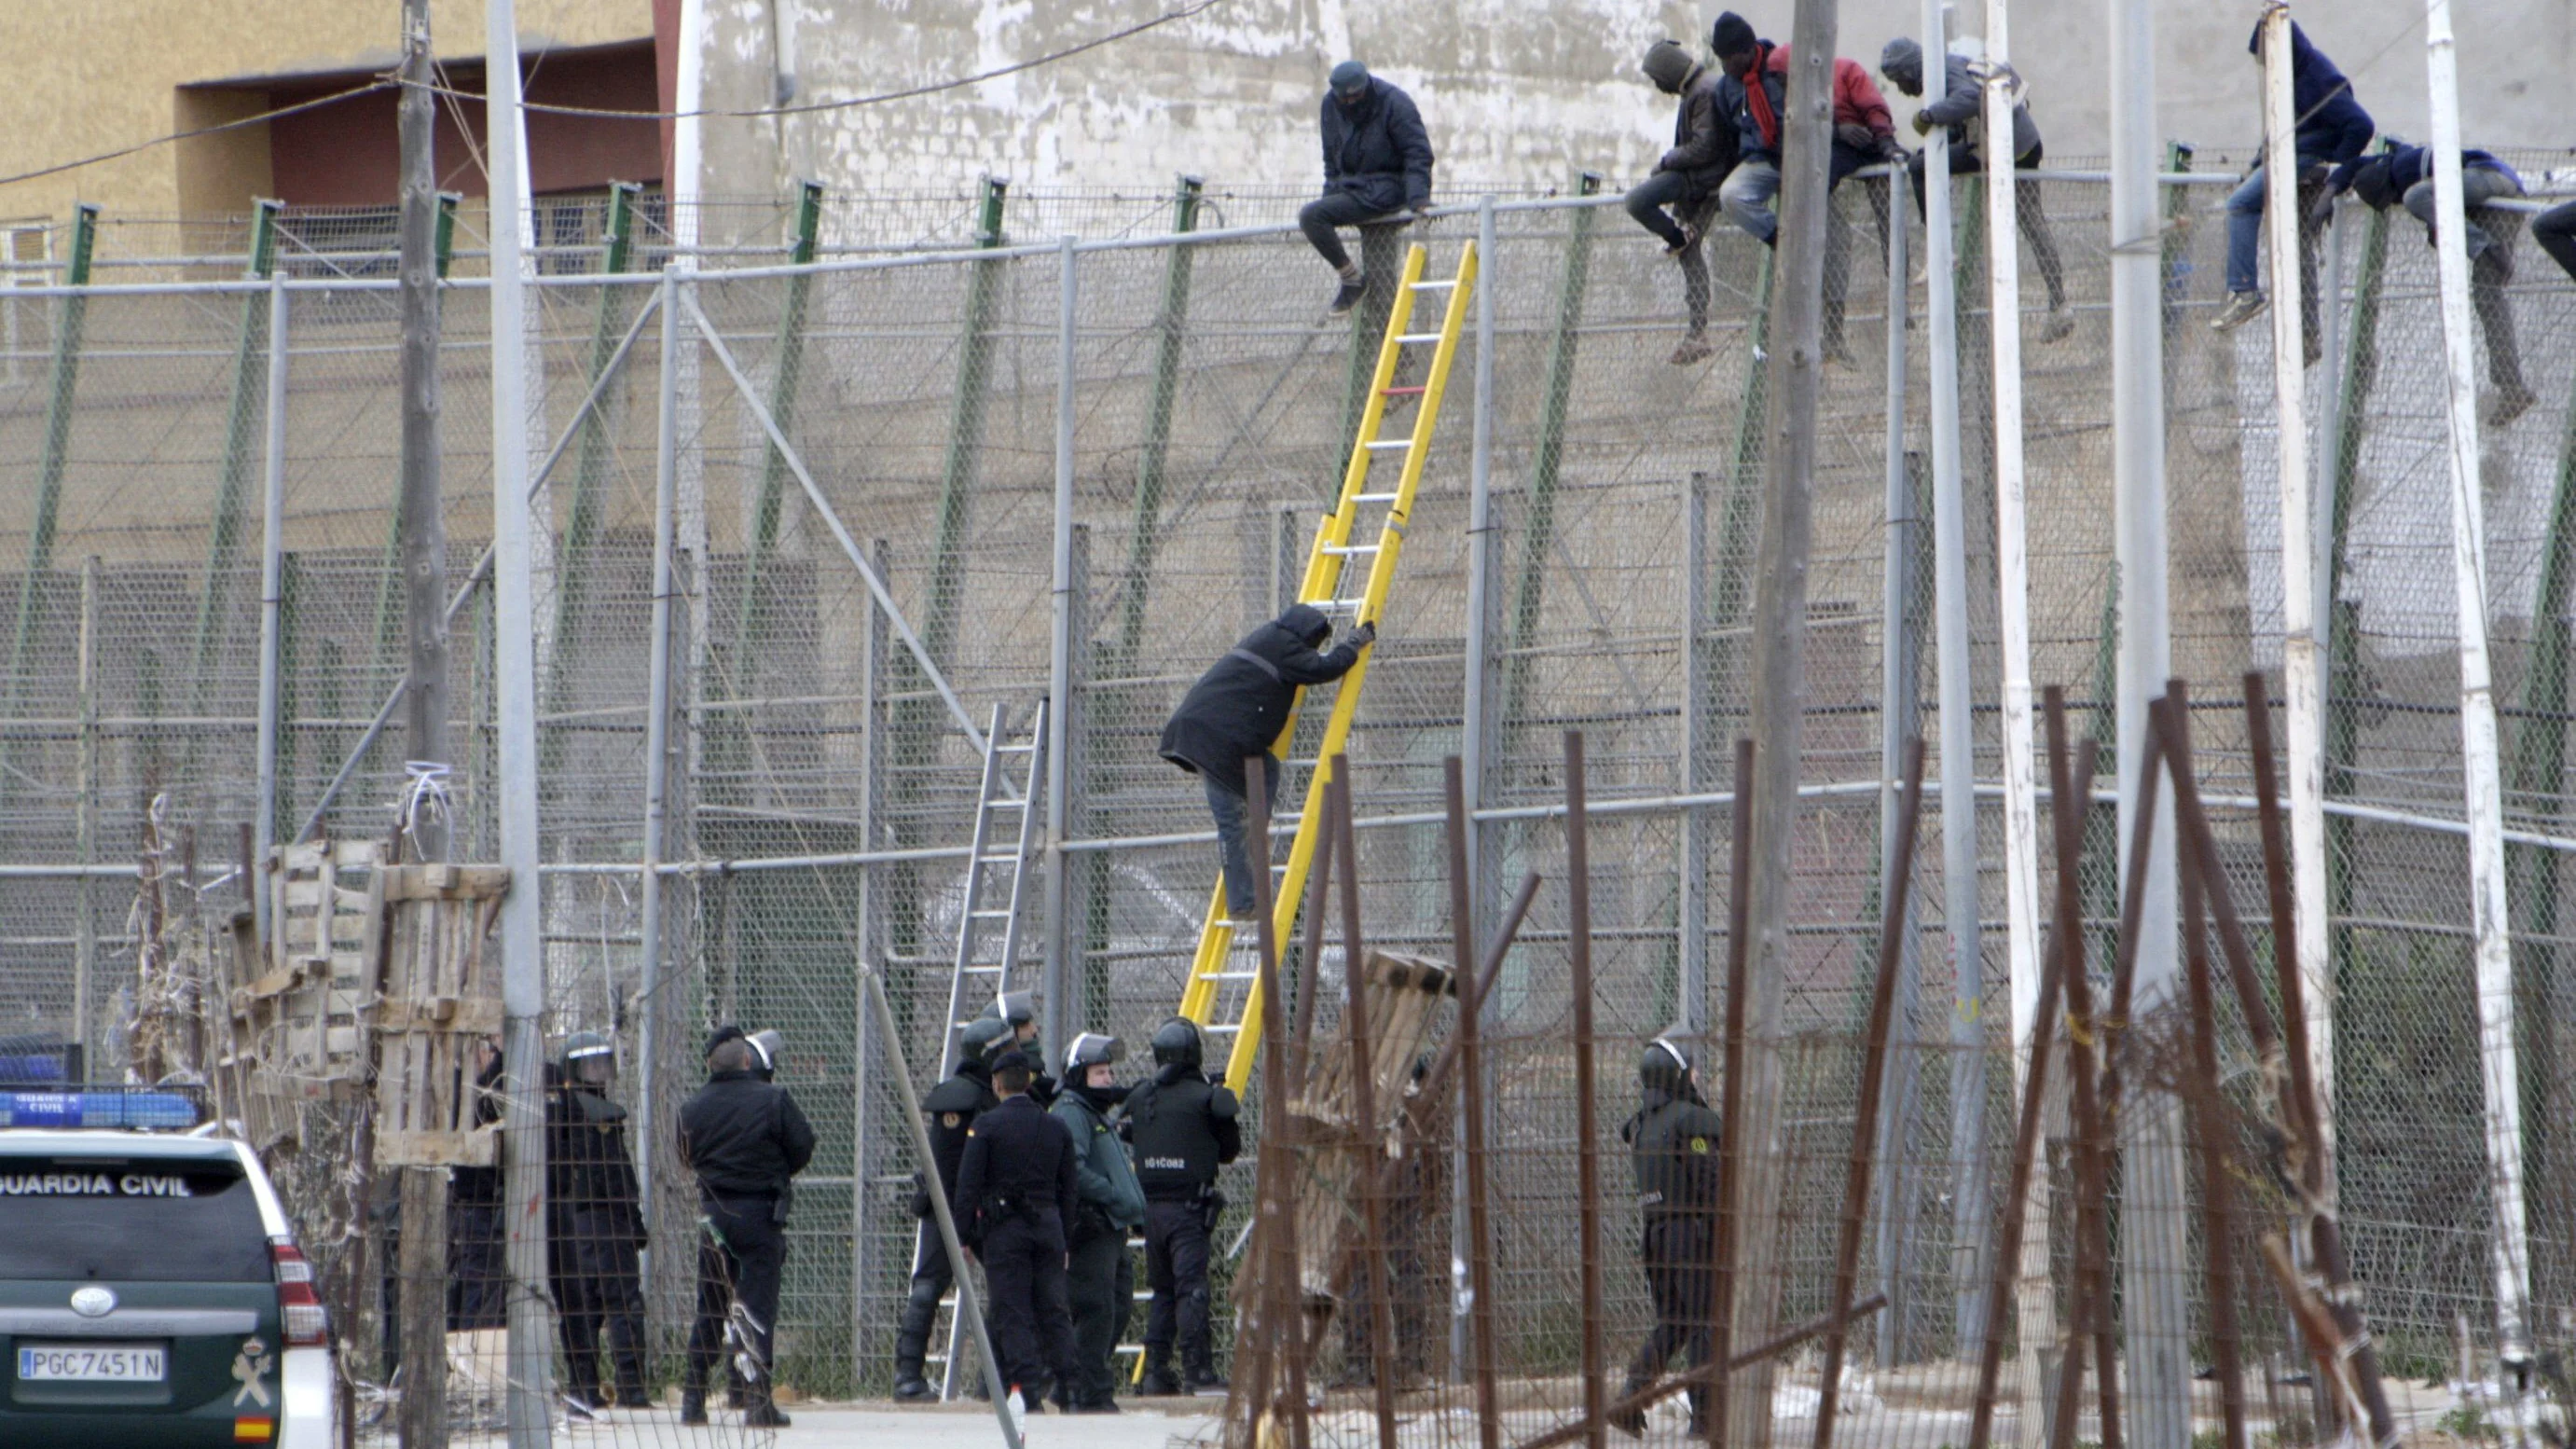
{"x": 151, "y": 1294}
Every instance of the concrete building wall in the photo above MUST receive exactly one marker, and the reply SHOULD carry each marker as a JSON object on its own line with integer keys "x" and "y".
{"x": 1521, "y": 92}
{"x": 96, "y": 76}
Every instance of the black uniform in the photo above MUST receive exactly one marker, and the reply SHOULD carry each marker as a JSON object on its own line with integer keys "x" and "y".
{"x": 477, "y": 1275}
{"x": 1183, "y": 1128}
{"x": 594, "y": 1239}
{"x": 1674, "y": 1143}
{"x": 952, "y": 1108}
{"x": 745, "y": 1140}
{"x": 1016, "y": 1182}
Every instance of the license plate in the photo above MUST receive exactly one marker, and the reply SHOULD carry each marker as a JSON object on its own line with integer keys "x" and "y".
{"x": 113, "y": 1363}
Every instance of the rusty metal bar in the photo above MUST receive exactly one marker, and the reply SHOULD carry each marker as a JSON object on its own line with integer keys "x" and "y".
{"x": 1281, "y": 1291}
{"x": 1662, "y": 1389}
{"x": 2285, "y": 938}
{"x": 1730, "y": 1098}
{"x": 1337, "y": 825}
{"x": 1578, "y": 910}
{"x": 2217, "y": 1188}
{"x": 2092, "y": 1297}
{"x": 1873, "y": 1080}
{"x": 1480, "y": 1253}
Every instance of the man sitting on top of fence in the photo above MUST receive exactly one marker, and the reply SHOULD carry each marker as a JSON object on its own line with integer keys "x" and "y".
{"x": 1686, "y": 178}
{"x": 2333, "y": 130}
{"x": 1377, "y": 161}
{"x": 1960, "y": 110}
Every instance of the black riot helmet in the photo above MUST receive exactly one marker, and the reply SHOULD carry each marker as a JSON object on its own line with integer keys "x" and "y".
{"x": 982, "y": 1037}
{"x": 1665, "y": 1065}
{"x": 1019, "y": 1008}
{"x": 589, "y": 1058}
{"x": 1089, "y": 1050}
{"x": 1177, "y": 1043}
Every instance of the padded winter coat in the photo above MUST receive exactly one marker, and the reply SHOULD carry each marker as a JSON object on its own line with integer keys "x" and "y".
{"x": 1238, "y": 707}
{"x": 1377, "y": 150}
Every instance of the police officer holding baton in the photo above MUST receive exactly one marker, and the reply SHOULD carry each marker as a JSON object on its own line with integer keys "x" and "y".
{"x": 746, "y": 1140}
{"x": 1183, "y": 1128}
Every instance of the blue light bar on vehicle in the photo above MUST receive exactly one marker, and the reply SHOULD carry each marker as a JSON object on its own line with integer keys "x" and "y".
{"x": 146, "y": 1109}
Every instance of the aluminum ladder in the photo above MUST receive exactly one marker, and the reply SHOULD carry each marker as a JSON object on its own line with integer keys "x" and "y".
{"x": 1222, "y": 993}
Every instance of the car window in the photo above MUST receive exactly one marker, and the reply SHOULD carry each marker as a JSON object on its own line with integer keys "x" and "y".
{"x": 138, "y": 1220}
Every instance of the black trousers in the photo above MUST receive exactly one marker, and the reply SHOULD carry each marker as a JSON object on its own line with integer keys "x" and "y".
{"x": 1102, "y": 1283}
{"x": 931, "y": 1280}
{"x": 1023, "y": 1257}
{"x": 598, "y": 1287}
{"x": 1176, "y": 1266}
{"x": 1320, "y": 217}
{"x": 2555, "y": 230}
{"x": 1646, "y": 202}
{"x": 740, "y": 1255}
{"x": 2029, "y": 204}
{"x": 1681, "y": 1276}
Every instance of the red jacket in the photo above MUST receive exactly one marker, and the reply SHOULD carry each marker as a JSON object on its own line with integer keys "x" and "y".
{"x": 1856, "y": 98}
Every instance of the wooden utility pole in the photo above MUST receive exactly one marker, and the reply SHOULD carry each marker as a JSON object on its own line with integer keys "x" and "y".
{"x": 423, "y": 550}
{"x": 1780, "y": 677}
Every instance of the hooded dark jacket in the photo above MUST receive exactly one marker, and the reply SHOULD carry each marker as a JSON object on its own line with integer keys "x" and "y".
{"x": 1961, "y": 106}
{"x": 743, "y": 1137}
{"x": 1673, "y": 1141}
{"x": 1735, "y": 104}
{"x": 2408, "y": 165}
{"x": 1238, "y": 707}
{"x": 1704, "y": 148}
{"x": 2333, "y": 128}
{"x": 1377, "y": 150}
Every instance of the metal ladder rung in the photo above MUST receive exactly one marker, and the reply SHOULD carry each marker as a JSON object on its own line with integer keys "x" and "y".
{"x": 1219, "y": 1028}
{"x": 1007, "y": 802}
{"x": 1389, "y": 444}
{"x": 1028, "y": 748}
{"x": 1414, "y": 391}
{"x": 1228, "y": 975}
{"x": 1409, "y": 338}
{"x": 1346, "y": 549}
{"x": 1448, "y": 285}
{"x": 988, "y": 915}
{"x": 1372, "y": 498}
{"x": 1335, "y": 603}
{"x": 993, "y": 859}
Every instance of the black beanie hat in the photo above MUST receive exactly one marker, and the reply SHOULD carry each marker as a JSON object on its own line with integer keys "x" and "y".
{"x": 1732, "y": 35}
{"x": 1667, "y": 65}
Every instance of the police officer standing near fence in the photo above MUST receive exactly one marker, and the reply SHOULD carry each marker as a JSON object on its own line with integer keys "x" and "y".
{"x": 746, "y": 1140}
{"x": 1020, "y": 1010}
{"x": 952, "y": 1108}
{"x": 1183, "y": 1128}
{"x": 1017, "y": 1185}
{"x": 1101, "y": 1271}
{"x": 1674, "y": 1142}
{"x": 594, "y": 1227}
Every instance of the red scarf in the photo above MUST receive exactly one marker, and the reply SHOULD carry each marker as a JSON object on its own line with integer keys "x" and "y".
{"x": 1758, "y": 96}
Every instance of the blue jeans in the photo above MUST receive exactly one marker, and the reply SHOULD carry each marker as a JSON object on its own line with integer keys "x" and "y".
{"x": 1230, "y": 810}
{"x": 1747, "y": 198}
{"x": 2245, "y": 231}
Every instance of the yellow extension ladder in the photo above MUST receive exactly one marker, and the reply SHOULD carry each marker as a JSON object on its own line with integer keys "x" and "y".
{"x": 1223, "y": 994}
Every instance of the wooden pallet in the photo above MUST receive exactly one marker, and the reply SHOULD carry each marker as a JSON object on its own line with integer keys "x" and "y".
{"x": 1404, "y": 995}
{"x": 441, "y": 999}
{"x": 297, "y": 1021}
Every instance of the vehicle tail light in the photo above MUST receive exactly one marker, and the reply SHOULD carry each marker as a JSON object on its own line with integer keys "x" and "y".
{"x": 299, "y": 1309}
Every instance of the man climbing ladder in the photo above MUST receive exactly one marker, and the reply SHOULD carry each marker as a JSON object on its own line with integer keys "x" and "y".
{"x": 1246, "y": 705}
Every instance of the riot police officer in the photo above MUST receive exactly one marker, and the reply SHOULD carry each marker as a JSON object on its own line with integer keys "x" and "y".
{"x": 1020, "y": 1010}
{"x": 952, "y": 1108}
{"x": 594, "y": 1225}
{"x": 746, "y": 1140}
{"x": 1673, "y": 1140}
{"x": 1100, "y": 1271}
{"x": 1183, "y": 1128}
{"x": 1017, "y": 1183}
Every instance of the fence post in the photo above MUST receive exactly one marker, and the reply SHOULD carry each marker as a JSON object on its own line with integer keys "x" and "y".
{"x": 55, "y": 459}
{"x": 657, "y": 734}
{"x": 234, "y": 479}
{"x": 1170, "y": 339}
{"x": 1538, "y": 520}
{"x": 1690, "y": 906}
{"x": 2489, "y": 909}
{"x": 751, "y": 640}
{"x": 1060, "y": 643}
{"x": 965, "y": 429}
{"x": 1900, "y": 705}
{"x": 272, "y": 593}
{"x": 85, "y": 927}
{"x": 590, "y": 467}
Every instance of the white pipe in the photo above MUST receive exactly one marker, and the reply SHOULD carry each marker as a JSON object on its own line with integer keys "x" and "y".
{"x": 272, "y": 605}
{"x": 1060, "y": 646}
{"x": 2301, "y": 663}
{"x": 1956, "y": 682}
{"x": 2479, "y": 766}
{"x": 2154, "y": 1249}
{"x": 657, "y": 743}
{"x": 530, "y": 1403}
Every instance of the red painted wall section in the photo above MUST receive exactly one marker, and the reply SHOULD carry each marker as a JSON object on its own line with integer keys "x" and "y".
{"x": 348, "y": 154}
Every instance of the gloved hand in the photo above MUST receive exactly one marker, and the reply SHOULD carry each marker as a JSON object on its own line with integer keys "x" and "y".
{"x": 1891, "y": 150}
{"x": 1922, "y": 122}
{"x": 1362, "y": 637}
{"x": 1857, "y": 137}
{"x": 2323, "y": 209}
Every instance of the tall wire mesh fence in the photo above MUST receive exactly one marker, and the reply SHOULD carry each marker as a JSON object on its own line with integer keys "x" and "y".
{"x": 821, "y": 789}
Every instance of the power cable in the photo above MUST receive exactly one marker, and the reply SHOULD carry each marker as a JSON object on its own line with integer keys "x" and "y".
{"x": 381, "y": 82}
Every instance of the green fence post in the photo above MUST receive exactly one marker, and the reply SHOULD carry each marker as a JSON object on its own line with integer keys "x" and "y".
{"x": 241, "y": 425}
{"x": 2539, "y": 768}
{"x": 1538, "y": 524}
{"x": 1144, "y": 533}
{"x": 1730, "y": 591}
{"x": 752, "y": 637}
{"x": 55, "y": 459}
{"x": 2343, "y": 643}
{"x": 590, "y": 466}
{"x": 965, "y": 436}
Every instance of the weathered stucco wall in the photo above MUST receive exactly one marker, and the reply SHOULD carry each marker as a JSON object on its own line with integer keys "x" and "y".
{"x": 1524, "y": 92}
{"x": 94, "y": 76}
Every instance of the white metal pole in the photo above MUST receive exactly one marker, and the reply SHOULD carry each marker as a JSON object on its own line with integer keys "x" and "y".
{"x": 2154, "y": 1249}
{"x": 1480, "y": 535}
{"x": 2302, "y": 671}
{"x": 1056, "y": 965}
{"x": 657, "y": 748}
{"x": 272, "y": 608}
{"x": 1957, "y": 686}
{"x": 2483, "y": 777}
{"x": 523, "y": 970}
{"x": 683, "y": 187}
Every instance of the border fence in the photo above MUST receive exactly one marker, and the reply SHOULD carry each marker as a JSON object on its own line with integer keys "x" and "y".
{"x": 902, "y": 491}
